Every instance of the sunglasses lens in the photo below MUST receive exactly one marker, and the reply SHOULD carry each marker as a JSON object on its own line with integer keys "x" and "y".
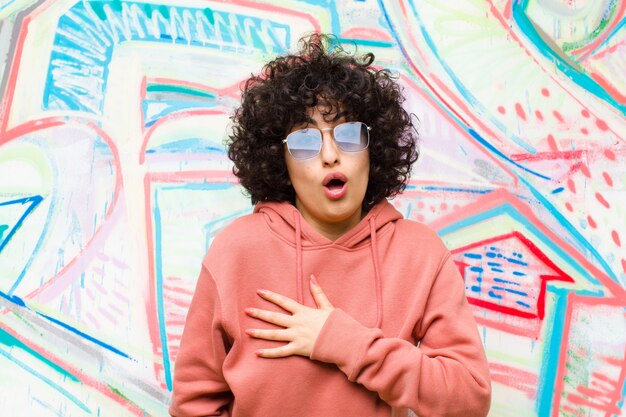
{"x": 352, "y": 136}
{"x": 304, "y": 143}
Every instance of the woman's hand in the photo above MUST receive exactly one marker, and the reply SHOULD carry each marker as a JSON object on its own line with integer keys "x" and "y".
{"x": 300, "y": 328}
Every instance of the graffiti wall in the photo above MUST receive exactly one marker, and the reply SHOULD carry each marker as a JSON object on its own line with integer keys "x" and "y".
{"x": 114, "y": 180}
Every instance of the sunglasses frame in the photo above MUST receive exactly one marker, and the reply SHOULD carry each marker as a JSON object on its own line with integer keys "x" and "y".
{"x": 285, "y": 141}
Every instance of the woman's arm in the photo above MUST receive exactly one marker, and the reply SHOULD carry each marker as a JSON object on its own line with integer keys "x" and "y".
{"x": 199, "y": 388}
{"x": 447, "y": 375}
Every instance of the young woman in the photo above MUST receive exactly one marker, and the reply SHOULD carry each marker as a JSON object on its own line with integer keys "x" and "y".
{"x": 324, "y": 302}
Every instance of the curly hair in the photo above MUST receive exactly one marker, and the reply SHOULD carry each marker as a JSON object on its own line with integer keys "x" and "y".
{"x": 322, "y": 73}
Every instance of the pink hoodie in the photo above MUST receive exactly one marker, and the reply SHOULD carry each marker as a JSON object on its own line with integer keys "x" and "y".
{"x": 401, "y": 338}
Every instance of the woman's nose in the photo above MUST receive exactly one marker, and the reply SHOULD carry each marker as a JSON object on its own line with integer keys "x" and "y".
{"x": 330, "y": 150}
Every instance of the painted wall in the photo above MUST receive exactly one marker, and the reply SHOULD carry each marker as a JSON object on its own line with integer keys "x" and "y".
{"x": 114, "y": 180}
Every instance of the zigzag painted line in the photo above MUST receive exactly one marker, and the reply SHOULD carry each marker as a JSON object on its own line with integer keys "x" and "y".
{"x": 88, "y": 33}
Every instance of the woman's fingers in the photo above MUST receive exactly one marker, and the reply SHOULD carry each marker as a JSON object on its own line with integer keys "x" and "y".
{"x": 279, "y": 352}
{"x": 280, "y": 335}
{"x": 300, "y": 329}
{"x": 318, "y": 295}
{"x": 272, "y": 317}
{"x": 285, "y": 303}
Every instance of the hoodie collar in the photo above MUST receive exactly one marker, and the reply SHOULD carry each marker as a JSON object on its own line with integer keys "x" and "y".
{"x": 281, "y": 218}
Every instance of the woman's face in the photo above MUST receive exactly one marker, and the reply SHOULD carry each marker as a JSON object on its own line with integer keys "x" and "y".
{"x": 332, "y": 208}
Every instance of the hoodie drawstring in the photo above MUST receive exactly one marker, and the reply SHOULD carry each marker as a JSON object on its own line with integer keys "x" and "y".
{"x": 299, "y": 279}
{"x": 374, "y": 248}
{"x": 379, "y": 282}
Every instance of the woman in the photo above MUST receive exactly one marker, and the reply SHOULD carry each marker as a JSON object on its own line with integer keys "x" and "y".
{"x": 324, "y": 301}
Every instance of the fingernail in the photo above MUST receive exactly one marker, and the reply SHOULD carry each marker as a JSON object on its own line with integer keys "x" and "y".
{"x": 249, "y": 332}
{"x": 248, "y": 310}
{"x": 262, "y": 292}
{"x": 313, "y": 280}
{"x": 258, "y": 352}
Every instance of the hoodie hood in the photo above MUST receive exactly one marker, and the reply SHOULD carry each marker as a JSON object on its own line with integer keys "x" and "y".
{"x": 285, "y": 220}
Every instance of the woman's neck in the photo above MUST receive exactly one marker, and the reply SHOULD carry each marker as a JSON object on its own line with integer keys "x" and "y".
{"x": 332, "y": 230}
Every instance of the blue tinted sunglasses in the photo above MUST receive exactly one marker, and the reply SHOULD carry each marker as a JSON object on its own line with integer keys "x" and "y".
{"x": 307, "y": 143}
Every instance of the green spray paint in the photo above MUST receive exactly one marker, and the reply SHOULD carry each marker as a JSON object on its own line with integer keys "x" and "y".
{"x": 606, "y": 19}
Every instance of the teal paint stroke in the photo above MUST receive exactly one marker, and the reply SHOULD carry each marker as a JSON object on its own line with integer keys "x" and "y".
{"x": 7, "y": 4}
{"x": 575, "y": 74}
{"x": 371, "y": 43}
{"x": 32, "y": 202}
{"x": 156, "y": 212}
{"x": 555, "y": 326}
{"x": 8, "y": 340}
{"x": 578, "y": 237}
{"x": 47, "y": 381}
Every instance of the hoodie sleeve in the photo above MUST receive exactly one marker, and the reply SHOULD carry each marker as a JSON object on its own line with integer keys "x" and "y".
{"x": 199, "y": 388}
{"x": 445, "y": 375}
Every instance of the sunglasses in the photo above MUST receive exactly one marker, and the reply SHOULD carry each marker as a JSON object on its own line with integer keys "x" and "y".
{"x": 307, "y": 143}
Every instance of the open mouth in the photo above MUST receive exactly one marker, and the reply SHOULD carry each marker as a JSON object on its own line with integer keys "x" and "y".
{"x": 335, "y": 184}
